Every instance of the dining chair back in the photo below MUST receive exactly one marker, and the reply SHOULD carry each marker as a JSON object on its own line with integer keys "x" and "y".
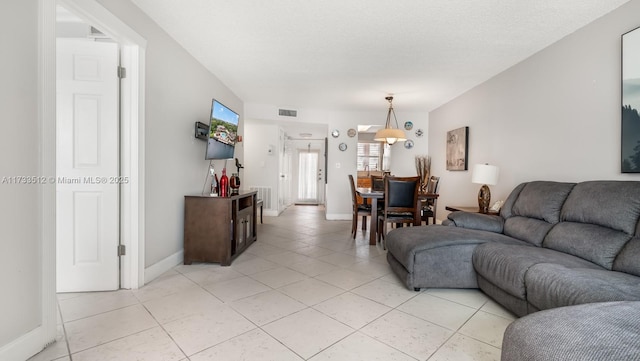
{"x": 400, "y": 203}
{"x": 429, "y": 205}
{"x": 432, "y": 186}
{"x": 358, "y": 210}
{"x": 377, "y": 183}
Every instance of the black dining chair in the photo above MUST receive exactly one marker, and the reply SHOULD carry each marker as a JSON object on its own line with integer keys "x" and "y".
{"x": 358, "y": 210}
{"x": 400, "y": 203}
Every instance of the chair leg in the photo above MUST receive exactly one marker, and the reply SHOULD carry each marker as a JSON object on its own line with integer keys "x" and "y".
{"x": 364, "y": 223}
{"x": 382, "y": 229}
{"x": 354, "y": 226}
{"x": 384, "y": 232}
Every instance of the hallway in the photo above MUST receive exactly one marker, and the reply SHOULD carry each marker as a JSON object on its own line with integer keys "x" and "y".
{"x": 304, "y": 291}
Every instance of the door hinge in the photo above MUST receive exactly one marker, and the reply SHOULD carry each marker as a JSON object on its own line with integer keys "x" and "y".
{"x": 122, "y": 72}
{"x": 122, "y": 250}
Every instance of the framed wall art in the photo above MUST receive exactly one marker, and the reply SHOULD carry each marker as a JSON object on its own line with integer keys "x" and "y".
{"x": 457, "y": 146}
{"x": 631, "y": 101}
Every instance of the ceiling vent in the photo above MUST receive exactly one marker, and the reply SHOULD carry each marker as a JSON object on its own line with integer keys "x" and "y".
{"x": 97, "y": 34}
{"x": 287, "y": 113}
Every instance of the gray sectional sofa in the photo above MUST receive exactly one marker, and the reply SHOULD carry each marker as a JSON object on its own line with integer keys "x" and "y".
{"x": 553, "y": 245}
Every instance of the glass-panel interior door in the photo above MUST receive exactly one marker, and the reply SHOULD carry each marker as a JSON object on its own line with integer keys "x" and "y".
{"x": 308, "y": 177}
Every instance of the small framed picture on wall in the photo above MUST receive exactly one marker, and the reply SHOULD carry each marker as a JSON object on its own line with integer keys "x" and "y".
{"x": 457, "y": 144}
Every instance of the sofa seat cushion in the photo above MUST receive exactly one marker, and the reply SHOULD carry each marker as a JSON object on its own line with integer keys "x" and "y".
{"x": 596, "y": 332}
{"x": 553, "y": 285}
{"x": 407, "y": 242}
{"x": 506, "y": 265}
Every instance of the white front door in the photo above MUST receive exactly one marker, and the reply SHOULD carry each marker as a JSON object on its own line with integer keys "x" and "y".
{"x": 308, "y": 176}
{"x": 87, "y": 209}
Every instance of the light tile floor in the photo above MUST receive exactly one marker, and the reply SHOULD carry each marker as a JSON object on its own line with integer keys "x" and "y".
{"x": 304, "y": 291}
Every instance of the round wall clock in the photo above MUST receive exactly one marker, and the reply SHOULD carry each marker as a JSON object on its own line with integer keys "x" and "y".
{"x": 351, "y": 133}
{"x": 342, "y": 146}
{"x": 408, "y": 144}
{"x": 335, "y": 133}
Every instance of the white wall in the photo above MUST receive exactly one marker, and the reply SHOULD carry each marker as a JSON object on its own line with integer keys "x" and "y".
{"x": 178, "y": 93}
{"x": 338, "y": 193}
{"x": 21, "y": 263}
{"x": 554, "y": 116}
{"x": 260, "y": 167}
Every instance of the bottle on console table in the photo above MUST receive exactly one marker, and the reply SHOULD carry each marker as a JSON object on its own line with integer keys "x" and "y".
{"x": 234, "y": 183}
{"x": 224, "y": 184}
{"x": 214, "y": 185}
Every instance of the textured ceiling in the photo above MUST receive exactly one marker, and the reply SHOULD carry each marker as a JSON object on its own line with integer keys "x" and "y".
{"x": 349, "y": 54}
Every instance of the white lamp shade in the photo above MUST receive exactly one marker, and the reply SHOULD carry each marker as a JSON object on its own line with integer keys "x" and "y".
{"x": 485, "y": 174}
{"x": 390, "y": 135}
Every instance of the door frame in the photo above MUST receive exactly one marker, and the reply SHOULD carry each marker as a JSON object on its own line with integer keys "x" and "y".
{"x": 132, "y": 161}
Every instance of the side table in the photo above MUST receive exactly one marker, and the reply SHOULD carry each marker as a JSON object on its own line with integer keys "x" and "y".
{"x": 469, "y": 209}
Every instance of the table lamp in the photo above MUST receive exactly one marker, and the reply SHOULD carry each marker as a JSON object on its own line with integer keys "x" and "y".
{"x": 486, "y": 175}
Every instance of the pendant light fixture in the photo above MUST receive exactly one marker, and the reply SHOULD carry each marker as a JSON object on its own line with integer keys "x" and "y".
{"x": 390, "y": 135}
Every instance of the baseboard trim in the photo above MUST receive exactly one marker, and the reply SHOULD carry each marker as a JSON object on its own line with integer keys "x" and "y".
{"x": 157, "y": 269}
{"x": 269, "y": 213}
{"x": 25, "y": 346}
{"x": 338, "y": 216}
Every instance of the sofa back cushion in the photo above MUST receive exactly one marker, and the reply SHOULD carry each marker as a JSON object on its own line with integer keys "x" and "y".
{"x": 628, "y": 260}
{"x": 542, "y": 200}
{"x": 527, "y": 229}
{"x": 611, "y": 204}
{"x": 533, "y": 208}
{"x": 597, "y": 220}
{"x": 592, "y": 242}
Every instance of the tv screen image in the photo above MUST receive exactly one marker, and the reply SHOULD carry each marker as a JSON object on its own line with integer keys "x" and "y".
{"x": 223, "y": 131}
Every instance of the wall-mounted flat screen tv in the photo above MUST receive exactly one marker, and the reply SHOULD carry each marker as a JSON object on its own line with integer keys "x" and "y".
{"x": 223, "y": 132}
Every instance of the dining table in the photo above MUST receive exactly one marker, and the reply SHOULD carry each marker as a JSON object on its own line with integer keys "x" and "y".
{"x": 375, "y": 196}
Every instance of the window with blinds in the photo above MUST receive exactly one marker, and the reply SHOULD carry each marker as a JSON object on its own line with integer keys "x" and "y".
{"x": 372, "y": 156}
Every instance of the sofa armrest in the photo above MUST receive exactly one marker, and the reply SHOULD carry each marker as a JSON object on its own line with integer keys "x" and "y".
{"x": 483, "y": 222}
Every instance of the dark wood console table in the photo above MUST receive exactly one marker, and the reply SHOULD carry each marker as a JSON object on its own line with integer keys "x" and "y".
{"x": 218, "y": 229}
